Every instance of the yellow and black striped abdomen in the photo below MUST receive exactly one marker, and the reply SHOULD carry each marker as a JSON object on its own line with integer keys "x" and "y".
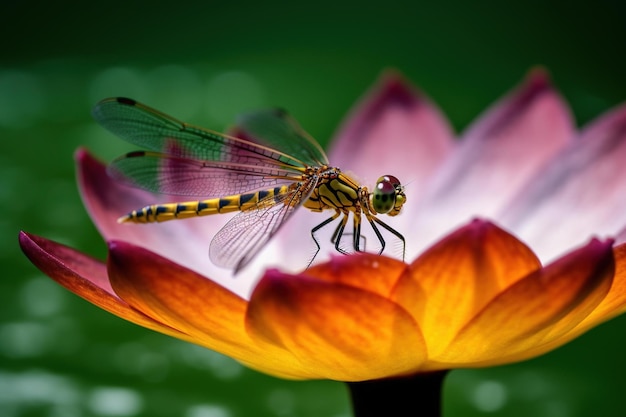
{"x": 184, "y": 210}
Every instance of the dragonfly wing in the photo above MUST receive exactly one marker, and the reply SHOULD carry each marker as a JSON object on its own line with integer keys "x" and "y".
{"x": 156, "y": 131}
{"x": 168, "y": 174}
{"x": 238, "y": 242}
{"x": 275, "y": 128}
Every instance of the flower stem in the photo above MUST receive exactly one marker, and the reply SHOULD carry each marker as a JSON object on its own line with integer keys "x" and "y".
{"x": 415, "y": 395}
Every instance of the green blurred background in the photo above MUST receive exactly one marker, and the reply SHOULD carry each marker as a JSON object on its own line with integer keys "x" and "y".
{"x": 205, "y": 61}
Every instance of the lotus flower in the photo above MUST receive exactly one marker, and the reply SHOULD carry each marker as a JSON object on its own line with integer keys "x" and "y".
{"x": 501, "y": 264}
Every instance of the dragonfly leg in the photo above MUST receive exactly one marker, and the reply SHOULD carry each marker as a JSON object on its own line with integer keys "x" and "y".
{"x": 318, "y": 227}
{"x": 390, "y": 229}
{"x": 360, "y": 239}
{"x": 356, "y": 239}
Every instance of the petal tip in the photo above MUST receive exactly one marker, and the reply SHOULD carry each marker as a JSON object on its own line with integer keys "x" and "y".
{"x": 25, "y": 239}
{"x": 31, "y": 244}
{"x": 538, "y": 78}
{"x": 81, "y": 154}
{"x": 119, "y": 246}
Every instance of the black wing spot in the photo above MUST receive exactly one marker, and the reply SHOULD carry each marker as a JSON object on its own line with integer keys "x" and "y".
{"x": 127, "y": 101}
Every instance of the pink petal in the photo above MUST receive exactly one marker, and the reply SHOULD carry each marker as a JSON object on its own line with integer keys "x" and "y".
{"x": 394, "y": 129}
{"x": 580, "y": 193}
{"x": 497, "y": 156}
{"x": 185, "y": 242}
{"x": 85, "y": 277}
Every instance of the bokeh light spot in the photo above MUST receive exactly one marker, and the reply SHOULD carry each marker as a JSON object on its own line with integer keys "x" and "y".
{"x": 24, "y": 339}
{"x": 219, "y": 365}
{"x": 37, "y": 387}
{"x": 41, "y": 297}
{"x": 21, "y": 98}
{"x": 115, "y": 401}
{"x": 206, "y": 410}
{"x": 282, "y": 402}
{"x": 490, "y": 396}
{"x": 231, "y": 93}
{"x": 115, "y": 82}
{"x": 137, "y": 359}
{"x": 175, "y": 88}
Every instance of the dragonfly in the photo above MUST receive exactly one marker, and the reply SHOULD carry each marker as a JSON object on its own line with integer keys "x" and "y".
{"x": 267, "y": 169}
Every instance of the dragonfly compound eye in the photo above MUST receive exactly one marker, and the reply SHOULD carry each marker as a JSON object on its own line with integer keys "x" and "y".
{"x": 390, "y": 179}
{"x": 384, "y": 196}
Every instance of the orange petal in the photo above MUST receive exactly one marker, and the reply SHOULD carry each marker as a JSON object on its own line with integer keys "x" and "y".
{"x": 370, "y": 272}
{"x": 85, "y": 277}
{"x": 342, "y": 332}
{"x": 612, "y": 305}
{"x": 454, "y": 279}
{"x": 543, "y": 305}
{"x": 210, "y": 314}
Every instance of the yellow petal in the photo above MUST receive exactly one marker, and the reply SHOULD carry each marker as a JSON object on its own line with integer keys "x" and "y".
{"x": 210, "y": 314}
{"x": 455, "y": 278}
{"x": 543, "y": 305}
{"x": 342, "y": 332}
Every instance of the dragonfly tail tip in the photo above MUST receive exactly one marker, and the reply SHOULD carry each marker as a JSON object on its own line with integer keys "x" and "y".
{"x": 123, "y": 219}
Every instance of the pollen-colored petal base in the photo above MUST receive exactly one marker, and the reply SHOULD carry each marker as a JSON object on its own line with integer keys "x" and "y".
{"x": 454, "y": 279}
{"x": 538, "y": 308}
{"x": 346, "y": 333}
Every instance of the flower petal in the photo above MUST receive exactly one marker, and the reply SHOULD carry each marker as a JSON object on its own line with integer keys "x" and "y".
{"x": 185, "y": 242}
{"x": 497, "y": 156}
{"x": 374, "y": 273}
{"x": 613, "y": 305}
{"x": 342, "y": 332}
{"x": 545, "y": 304}
{"x": 393, "y": 130}
{"x": 85, "y": 277}
{"x": 210, "y": 314}
{"x": 458, "y": 276}
{"x": 569, "y": 189}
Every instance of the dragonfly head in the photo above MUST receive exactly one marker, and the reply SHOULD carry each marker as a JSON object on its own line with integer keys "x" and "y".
{"x": 388, "y": 196}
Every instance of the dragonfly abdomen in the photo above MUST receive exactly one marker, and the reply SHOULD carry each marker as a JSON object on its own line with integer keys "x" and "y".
{"x": 172, "y": 211}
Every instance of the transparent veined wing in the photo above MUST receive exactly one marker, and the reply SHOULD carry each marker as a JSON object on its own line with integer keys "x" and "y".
{"x": 275, "y": 128}
{"x": 237, "y": 243}
{"x": 156, "y": 131}
{"x": 166, "y": 174}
